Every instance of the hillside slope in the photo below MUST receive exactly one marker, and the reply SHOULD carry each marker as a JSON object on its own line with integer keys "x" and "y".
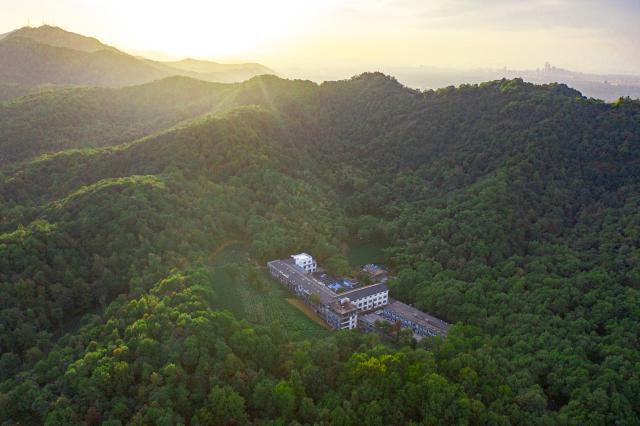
{"x": 57, "y": 37}
{"x": 28, "y": 62}
{"x": 224, "y": 73}
{"x": 51, "y": 55}
{"x": 507, "y": 208}
{"x": 82, "y": 118}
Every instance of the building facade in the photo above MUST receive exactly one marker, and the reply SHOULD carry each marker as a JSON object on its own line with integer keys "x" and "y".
{"x": 306, "y": 262}
{"x": 369, "y": 297}
{"x": 342, "y": 315}
{"x": 337, "y": 311}
{"x": 421, "y": 323}
{"x": 341, "y": 309}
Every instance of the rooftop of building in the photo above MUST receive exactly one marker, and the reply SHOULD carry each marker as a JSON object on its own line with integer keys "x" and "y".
{"x": 324, "y": 277}
{"x": 361, "y": 292}
{"x": 302, "y": 257}
{"x": 343, "y": 307}
{"x": 299, "y": 277}
{"x": 417, "y": 316}
{"x": 372, "y": 317}
{"x": 337, "y": 285}
{"x": 324, "y": 285}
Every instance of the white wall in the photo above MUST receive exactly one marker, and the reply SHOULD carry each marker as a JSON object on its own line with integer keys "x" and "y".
{"x": 372, "y": 301}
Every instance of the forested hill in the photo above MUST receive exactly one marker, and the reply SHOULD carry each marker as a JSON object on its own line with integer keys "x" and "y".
{"x": 55, "y": 36}
{"x": 509, "y": 209}
{"x": 46, "y": 55}
{"x": 52, "y": 121}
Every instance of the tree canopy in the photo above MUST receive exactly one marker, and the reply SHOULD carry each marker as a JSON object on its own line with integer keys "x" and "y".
{"x": 509, "y": 209}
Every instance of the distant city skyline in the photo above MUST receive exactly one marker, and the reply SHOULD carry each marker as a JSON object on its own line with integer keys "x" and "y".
{"x": 587, "y": 36}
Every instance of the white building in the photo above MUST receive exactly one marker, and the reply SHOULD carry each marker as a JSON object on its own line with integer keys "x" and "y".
{"x": 369, "y": 297}
{"x": 305, "y": 261}
{"x": 339, "y": 312}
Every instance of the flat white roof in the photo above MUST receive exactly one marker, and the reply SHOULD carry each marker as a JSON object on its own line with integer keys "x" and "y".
{"x": 302, "y": 256}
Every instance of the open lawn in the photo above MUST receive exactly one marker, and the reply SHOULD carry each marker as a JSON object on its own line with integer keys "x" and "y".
{"x": 308, "y": 311}
{"x": 263, "y": 305}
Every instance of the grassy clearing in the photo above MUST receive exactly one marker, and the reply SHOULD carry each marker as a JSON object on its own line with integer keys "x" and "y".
{"x": 265, "y": 305}
{"x": 306, "y": 309}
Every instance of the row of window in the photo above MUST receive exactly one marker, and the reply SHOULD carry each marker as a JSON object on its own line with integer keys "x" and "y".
{"x": 371, "y": 302}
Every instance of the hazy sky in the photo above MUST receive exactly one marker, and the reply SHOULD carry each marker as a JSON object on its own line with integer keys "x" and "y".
{"x": 585, "y": 35}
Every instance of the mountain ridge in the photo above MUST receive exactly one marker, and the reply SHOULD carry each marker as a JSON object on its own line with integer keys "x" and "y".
{"x": 58, "y": 37}
{"x": 51, "y": 55}
{"x": 509, "y": 209}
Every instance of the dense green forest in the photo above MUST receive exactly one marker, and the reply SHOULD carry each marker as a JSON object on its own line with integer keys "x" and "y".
{"x": 509, "y": 209}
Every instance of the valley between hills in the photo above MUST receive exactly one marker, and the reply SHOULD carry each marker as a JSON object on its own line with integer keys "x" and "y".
{"x": 507, "y": 209}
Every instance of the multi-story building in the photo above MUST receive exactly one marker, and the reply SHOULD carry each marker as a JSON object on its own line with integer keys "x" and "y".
{"x": 421, "y": 323}
{"x": 341, "y": 309}
{"x": 341, "y": 314}
{"x": 305, "y": 261}
{"x": 369, "y": 297}
{"x": 337, "y": 311}
{"x": 369, "y": 322}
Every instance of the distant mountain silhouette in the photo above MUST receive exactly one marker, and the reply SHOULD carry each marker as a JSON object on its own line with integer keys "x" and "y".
{"x": 25, "y": 61}
{"x": 208, "y": 67}
{"x": 50, "y": 55}
{"x": 55, "y": 36}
